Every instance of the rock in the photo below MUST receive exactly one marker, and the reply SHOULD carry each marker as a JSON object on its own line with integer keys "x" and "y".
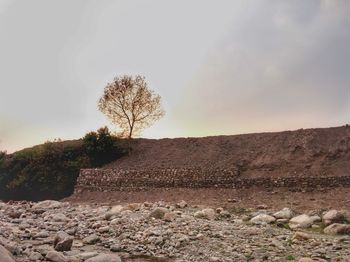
{"x": 332, "y": 216}
{"x": 5, "y": 255}
{"x": 47, "y": 204}
{"x": 301, "y": 236}
{"x": 35, "y": 256}
{"x": 104, "y": 258}
{"x": 41, "y": 234}
{"x": 55, "y": 256}
{"x": 262, "y": 206}
{"x": 158, "y": 212}
{"x": 14, "y": 214}
{"x": 306, "y": 259}
{"x": 301, "y": 221}
{"x": 103, "y": 229}
{"x": 337, "y": 229}
{"x": 114, "y": 211}
{"x": 59, "y": 217}
{"x": 285, "y": 213}
{"x": 90, "y": 240}
{"x": 87, "y": 255}
{"x": 116, "y": 248}
{"x": 12, "y": 247}
{"x": 169, "y": 216}
{"x": 207, "y": 213}
{"x": 62, "y": 241}
{"x": 133, "y": 207}
{"x": 263, "y": 218}
{"x": 181, "y": 204}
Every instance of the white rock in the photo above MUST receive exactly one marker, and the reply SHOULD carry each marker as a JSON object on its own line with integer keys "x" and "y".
{"x": 263, "y": 218}
{"x": 47, "y": 204}
{"x": 285, "y": 213}
{"x": 207, "y": 213}
{"x": 301, "y": 221}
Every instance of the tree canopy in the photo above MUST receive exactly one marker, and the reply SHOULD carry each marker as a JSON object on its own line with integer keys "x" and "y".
{"x": 130, "y": 104}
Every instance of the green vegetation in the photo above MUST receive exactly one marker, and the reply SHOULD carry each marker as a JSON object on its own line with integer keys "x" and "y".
{"x": 290, "y": 257}
{"x": 49, "y": 171}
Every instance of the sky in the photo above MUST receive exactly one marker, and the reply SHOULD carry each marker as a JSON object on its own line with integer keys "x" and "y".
{"x": 221, "y": 67}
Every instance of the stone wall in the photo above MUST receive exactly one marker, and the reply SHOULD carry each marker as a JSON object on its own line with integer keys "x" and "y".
{"x": 118, "y": 179}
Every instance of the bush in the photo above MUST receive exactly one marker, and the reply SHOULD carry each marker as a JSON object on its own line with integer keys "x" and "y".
{"x": 50, "y": 171}
{"x": 101, "y": 147}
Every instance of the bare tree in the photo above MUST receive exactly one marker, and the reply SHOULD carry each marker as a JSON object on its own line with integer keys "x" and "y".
{"x": 130, "y": 104}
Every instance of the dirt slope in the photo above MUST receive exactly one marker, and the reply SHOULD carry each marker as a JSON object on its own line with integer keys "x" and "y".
{"x": 321, "y": 151}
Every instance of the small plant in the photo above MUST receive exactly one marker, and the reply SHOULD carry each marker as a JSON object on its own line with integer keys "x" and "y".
{"x": 290, "y": 257}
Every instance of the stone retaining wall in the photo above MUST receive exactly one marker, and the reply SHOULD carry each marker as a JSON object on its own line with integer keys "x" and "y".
{"x": 116, "y": 180}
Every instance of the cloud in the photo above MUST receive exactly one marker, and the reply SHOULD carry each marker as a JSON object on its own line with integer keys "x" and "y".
{"x": 286, "y": 67}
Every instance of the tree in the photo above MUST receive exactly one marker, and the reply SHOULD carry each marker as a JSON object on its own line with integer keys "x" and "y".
{"x": 130, "y": 104}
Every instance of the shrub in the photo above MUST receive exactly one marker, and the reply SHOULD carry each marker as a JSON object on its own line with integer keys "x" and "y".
{"x": 50, "y": 171}
{"x": 101, "y": 147}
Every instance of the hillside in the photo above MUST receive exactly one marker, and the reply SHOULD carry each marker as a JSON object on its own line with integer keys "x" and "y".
{"x": 311, "y": 152}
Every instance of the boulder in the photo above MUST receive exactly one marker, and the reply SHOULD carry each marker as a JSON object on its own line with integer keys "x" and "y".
{"x": 47, "y": 204}
{"x": 337, "y": 229}
{"x": 301, "y": 236}
{"x": 181, "y": 204}
{"x": 55, "y": 256}
{"x": 105, "y": 258}
{"x": 35, "y": 256}
{"x": 285, "y": 213}
{"x": 263, "y": 219}
{"x": 332, "y": 216}
{"x": 59, "y": 217}
{"x": 5, "y": 255}
{"x": 169, "y": 216}
{"x": 301, "y": 221}
{"x": 90, "y": 240}
{"x": 114, "y": 211}
{"x": 62, "y": 241}
{"x": 158, "y": 212}
{"x": 207, "y": 213}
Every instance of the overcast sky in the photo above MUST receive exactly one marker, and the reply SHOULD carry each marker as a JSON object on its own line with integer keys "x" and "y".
{"x": 221, "y": 67}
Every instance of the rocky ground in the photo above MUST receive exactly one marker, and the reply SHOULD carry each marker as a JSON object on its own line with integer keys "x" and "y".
{"x": 159, "y": 231}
